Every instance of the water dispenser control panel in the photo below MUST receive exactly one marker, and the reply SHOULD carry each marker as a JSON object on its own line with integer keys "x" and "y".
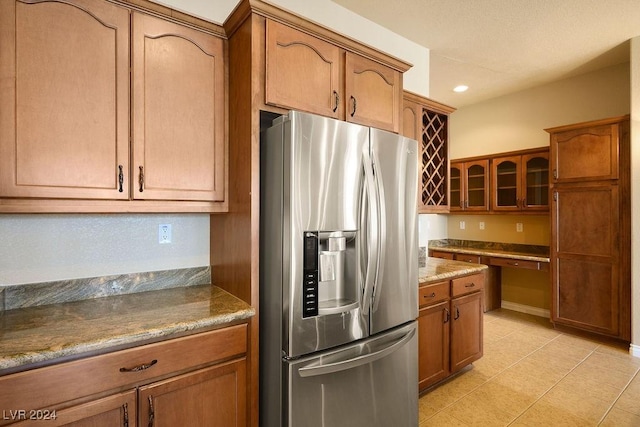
{"x": 310, "y": 275}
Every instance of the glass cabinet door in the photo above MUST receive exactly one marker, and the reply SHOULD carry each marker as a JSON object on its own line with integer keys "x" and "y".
{"x": 536, "y": 181}
{"x": 455, "y": 186}
{"x": 477, "y": 185}
{"x": 506, "y": 183}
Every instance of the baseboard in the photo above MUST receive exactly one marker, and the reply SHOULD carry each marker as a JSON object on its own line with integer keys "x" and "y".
{"x": 634, "y": 350}
{"x": 536, "y": 311}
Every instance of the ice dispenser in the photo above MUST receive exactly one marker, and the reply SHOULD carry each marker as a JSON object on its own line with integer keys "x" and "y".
{"x": 330, "y": 284}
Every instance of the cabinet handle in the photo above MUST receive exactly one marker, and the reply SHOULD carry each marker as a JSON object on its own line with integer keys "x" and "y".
{"x": 513, "y": 263}
{"x": 433, "y": 295}
{"x": 151, "y": 412}
{"x": 461, "y": 204}
{"x": 353, "y": 112}
{"x": 555, "y": 196}
{"x": 466, "y": 203}
{"x": 120, "y": 178}
{"x": 141, "y": 178}
{"x": 125, "y": 419}
{"x": 555, "y": 174}
{"x": 337, "y": 99}
{"x": 447, "y": 315}
{"x": 139, "y": 368}
{"x": 457, "y": 315}
{"x": 470, "y": 285}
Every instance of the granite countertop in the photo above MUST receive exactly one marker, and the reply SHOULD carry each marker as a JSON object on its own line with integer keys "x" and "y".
{"x": 501, "y": 250}
{"x": 437, "y": 269}
{"x": 43, "y": 334}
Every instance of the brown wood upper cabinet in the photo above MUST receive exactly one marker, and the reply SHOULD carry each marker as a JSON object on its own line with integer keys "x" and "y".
{"x": 178, "y": 112}
{"x": 64, "y": 100}
{"x": 520, "y": 182}
{"x": 469, "y": 185}
{"x": 427, "y": 122}
{"x": 65, "y": 109}
{"x": 306, "y": 73}
{"x": 586, "y": 154}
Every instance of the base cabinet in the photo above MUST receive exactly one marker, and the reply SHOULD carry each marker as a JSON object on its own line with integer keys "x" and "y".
{"x": 197, "y": 380}
{"x": 209, "y": 397}
{"x": 449, "y": 327}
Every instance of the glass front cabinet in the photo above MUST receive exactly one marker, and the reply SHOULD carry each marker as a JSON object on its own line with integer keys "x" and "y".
{"x": 469, "y": 185}
{"x": 520, "y": 182}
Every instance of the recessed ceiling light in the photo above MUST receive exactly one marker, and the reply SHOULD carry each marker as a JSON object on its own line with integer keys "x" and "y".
{"x": 460, "y": 88}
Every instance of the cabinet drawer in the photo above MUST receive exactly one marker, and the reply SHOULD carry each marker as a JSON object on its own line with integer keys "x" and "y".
{"x": 53, "y": 385}
{"x": 443, "y": 255}
{"x": 433, "y": 293}
{"x": 516, "y": 263}
{"x": 467, "y": 284}
{"x": 468, "y": 258}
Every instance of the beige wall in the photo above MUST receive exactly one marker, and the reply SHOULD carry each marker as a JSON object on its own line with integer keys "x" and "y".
{"x": 517, "y": 121}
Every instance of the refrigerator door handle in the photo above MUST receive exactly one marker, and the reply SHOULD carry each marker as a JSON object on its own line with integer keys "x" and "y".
{"x": 382, "y": 235}
{"x": 373, "y": 244}
{"x": 344, "y": 365}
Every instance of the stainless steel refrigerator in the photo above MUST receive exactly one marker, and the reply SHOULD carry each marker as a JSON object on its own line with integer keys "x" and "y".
{"x": 338, "y": 275}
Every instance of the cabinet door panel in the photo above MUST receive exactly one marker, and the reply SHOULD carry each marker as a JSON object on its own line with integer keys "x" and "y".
{"x": 535, "y": 181}
{"x": 116, "y": 410}
{"x": 302, "y": 72}
{"x": 466, "y": 330}
{"x": 373, "y": 93}
{"x": 64, "y": 108}
{"x": 585, "y": 154}
{"x": 433, "y": 344}
{"x": 505, "y": 178}
{"x": 178, "y": 103}
{"x": 210, "y": 397}
{"x": 476, "y": 177}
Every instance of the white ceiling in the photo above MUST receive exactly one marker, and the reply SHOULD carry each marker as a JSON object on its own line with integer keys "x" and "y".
{"x": 498, "y": 47}
{"x": 495, "y": 47}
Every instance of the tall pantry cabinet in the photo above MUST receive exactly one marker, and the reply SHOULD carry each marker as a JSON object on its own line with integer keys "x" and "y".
{"x": 591, "y": 226}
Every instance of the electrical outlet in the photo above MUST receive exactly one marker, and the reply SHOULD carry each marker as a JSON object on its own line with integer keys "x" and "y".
{"x": 164, "y": 233}
{"x": 462, "y": 225}
{"x": 519, "y": 227}
{"x": 481, "y": 225}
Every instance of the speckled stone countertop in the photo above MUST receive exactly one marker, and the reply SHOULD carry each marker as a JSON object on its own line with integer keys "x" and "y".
{"x": 437, "y": 269}
{"x": 38, "y": 335}
{"x": 502, "y": 250}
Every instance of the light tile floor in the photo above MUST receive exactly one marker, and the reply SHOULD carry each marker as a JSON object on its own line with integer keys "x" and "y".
{"x": 533, "y": 375}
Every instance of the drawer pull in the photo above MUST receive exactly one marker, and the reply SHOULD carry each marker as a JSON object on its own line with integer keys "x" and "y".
{"x": 447, "y": 315}
{"x": 470, "y": 285}
{"x": 433, "y": 295}
{"x": 139, "y": 367}
{"x": 125, "y": 420}
{"x": 513, "y": 263}
{"x": 457, "y": 315}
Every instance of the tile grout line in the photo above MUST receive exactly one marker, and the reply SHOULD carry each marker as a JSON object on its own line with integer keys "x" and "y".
{"x": 619, "y": 395}
{"x": 556, "y": 383}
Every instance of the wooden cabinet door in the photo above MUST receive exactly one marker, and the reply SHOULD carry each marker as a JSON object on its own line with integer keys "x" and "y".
{"x": 111, "y": 411}
{"x": 209, "y": 397}
{"x": 476, "y": 185}
{"x": 373, "y": 93}
{"x": 302, "y": 72}
{"x": 64, "y": 99}
{"x": 433, "y": 344}
{"x": 411, "y": 119}
{"x": 506, "y": 183}
{"x": 585, "y": 258}
{"x": 586, "y": 154}
{"x": 466, "y": 330}
{"x": 178, "y": 112}
{"x": 535, "y": 182}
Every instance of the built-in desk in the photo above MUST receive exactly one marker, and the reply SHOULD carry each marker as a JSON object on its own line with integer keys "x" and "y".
{"x": 496, "y": 256}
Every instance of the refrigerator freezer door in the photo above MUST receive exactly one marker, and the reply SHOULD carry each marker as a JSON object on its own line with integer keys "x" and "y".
{"x": 371, "y": 383}
{"x": 395, "y": 295}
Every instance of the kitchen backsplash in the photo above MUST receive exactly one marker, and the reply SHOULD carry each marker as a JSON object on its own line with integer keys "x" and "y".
{"x": 34, "y": 294}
